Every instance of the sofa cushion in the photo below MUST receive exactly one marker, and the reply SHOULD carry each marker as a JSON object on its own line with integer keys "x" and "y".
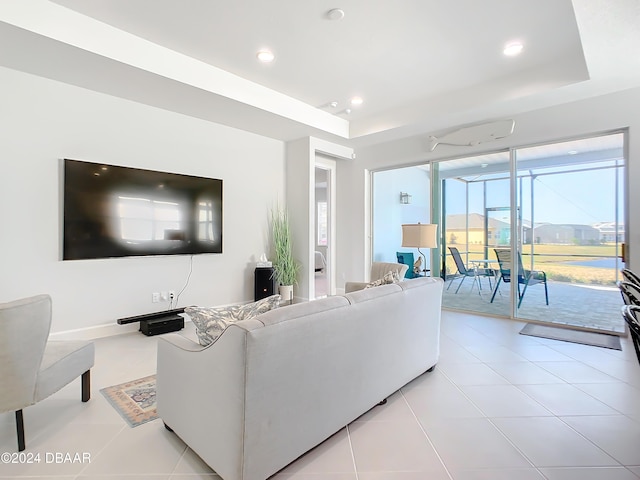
{"x": 210, "y": 322}
{"x": 389, "y": 277}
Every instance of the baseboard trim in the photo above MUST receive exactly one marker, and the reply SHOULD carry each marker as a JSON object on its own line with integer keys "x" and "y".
{"x": 99, "y": 331}
{"x": 95, "y": 332}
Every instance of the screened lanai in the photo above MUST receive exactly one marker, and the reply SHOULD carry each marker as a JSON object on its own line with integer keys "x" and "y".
{"x": 556, "y": 210}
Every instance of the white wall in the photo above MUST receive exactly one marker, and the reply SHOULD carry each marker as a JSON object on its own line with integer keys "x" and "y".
{"x": 300, "y": 192}
{"x": 389, "y": 214}
{"x": 43, "y": 121}
{"x": 582, "y": 118}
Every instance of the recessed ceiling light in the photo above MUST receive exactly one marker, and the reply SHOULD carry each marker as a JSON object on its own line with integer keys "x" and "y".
{"x": 265, "y": 56}
{"x": 331, "y": 104}
{"x": 572, "y": 152}
{"x": 335, "y": 14}
{"x": 484, "y": 165}
{"x": 513, "y": 49}
{"x": 356, "y": 101}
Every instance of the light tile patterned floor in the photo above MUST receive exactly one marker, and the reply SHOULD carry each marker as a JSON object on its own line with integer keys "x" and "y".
{"x": 499, "y": 406}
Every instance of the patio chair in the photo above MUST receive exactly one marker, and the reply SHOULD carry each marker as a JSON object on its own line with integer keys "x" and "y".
{"x": 525, "y": 277}
{"x": 464, "y": 272}
{"x": 629, "y": 276}
{"x": 406, "y": 258}
{"x": 630, "y": 315}
{"x": 630, "y": 293}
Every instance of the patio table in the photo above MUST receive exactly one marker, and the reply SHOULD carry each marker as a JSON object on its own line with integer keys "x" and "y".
{"x": 484, "y": 263}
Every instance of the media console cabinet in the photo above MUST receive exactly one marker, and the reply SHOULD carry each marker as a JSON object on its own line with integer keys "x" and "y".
{"x": 157, "y": 322}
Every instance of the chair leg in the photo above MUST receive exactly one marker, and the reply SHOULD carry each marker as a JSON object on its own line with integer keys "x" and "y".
{"x": 476, "y": 279}
{"x": 521, "y": 296}
{"x": 546, "y": 293}
{"x": 20, "y": 430}
{"x": 451, "y": 281}
{"x": 520, "y": 300}
{"x": 495, "y": 290}
{"x": 460, "y": 284}
{"x": 86, "y": 386}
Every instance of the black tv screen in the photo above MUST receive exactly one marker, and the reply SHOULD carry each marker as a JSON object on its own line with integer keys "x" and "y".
{"x": 112, "y": 211}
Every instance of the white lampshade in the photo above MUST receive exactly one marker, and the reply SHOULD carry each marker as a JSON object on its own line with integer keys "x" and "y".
{"x": 420, "y": 235}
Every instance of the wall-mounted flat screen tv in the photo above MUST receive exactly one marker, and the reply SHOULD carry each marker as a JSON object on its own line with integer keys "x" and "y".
{"x": 112, "y": 211}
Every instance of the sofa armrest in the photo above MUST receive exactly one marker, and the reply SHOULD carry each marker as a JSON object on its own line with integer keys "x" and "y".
{"x": 201, "y": 396}
{"x": 354, "y": 286}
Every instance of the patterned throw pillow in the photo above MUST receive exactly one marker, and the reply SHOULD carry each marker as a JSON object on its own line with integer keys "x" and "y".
{"x": 210, "y": 322}
{"x": 389, "y": 277}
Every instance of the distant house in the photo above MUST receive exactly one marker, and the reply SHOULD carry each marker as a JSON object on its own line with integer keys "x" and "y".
{"x": 566, "y": 234}
{"x": 464, "y": 229}
{"x": 469, "y": 229}
{"x": 609, "y": 233}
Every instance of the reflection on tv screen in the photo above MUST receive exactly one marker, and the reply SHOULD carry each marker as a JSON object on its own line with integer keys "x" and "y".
{"x": 112, "y": 211}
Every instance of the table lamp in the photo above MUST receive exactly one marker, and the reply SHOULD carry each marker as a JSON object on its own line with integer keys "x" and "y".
{"x": 420, "y": 235}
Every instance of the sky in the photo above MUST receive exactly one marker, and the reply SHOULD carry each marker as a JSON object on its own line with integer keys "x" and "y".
{"x": 568, "y": 198}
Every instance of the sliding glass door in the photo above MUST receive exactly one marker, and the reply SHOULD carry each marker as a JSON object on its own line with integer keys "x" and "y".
{"x": 572, "y": 201}
{"x": 475, "y": 219}
{"x": 536, "y": 233}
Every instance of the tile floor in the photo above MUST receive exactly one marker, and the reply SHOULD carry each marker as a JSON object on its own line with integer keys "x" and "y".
{"x": 499, "y": 406}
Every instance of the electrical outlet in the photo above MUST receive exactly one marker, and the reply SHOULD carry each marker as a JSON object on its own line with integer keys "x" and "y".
{"x": 155, "y": 297}
{"x": 172, "y": 295}
{"x": 164, "y": 296}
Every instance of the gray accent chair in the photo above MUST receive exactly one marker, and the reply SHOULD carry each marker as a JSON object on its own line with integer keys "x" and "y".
{"x": 630, "y": 293}
{"x": 378, "y": 270}
{"x": 32, "y": 367}
{"x": 631, "y": 315}
{"x": 630, "y": 276}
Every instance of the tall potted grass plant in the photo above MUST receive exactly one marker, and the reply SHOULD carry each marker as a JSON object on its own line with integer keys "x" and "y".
{"x": 284, "y": 265}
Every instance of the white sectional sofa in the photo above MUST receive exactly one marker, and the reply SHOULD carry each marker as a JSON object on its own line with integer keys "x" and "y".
{"x": 273, "y": 387}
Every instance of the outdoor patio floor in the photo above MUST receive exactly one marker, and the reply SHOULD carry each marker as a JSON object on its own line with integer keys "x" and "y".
{"x": 587, "y": 306}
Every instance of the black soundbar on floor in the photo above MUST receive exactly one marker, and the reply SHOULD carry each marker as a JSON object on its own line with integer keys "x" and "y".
{"x": 156, "y": 323}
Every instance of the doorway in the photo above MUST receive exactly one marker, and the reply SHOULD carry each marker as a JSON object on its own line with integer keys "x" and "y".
{"x": 325, "y": 227}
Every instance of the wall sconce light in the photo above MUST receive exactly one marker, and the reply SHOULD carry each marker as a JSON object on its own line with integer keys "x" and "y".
{"x": 405, "y": 198}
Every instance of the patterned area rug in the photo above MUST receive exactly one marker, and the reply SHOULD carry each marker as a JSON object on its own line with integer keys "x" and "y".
{"x": 135, "y": 401}
{"x": 575, "y": 336}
